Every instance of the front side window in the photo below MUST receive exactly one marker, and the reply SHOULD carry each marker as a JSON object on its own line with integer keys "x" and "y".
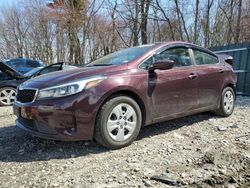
{"x": 179, "y": 55}
{"x": 146, "y": 64}
{"x": 203, "y": 58}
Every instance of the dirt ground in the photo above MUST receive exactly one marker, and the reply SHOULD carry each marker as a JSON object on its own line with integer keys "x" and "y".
{"x": 197, "y": 151}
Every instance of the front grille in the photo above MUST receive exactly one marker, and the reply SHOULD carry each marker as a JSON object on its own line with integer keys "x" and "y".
{"x": 26, "y": 95}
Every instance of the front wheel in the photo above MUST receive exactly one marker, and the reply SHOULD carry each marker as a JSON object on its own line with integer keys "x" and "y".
{"x": 118, "y": 122}
{"x": 7, "y": 96}
{"x": 227, "y": 102}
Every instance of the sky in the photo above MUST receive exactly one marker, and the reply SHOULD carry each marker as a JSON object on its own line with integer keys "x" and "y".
{"x": 7, "y": 3}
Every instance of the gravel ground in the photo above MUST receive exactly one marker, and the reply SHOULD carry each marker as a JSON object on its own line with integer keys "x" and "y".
{"x": 197, "y": 151}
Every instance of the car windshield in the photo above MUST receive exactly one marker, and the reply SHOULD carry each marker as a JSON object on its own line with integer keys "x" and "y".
{"x": 32, "y": 72}
{"x": 15, "y": 63}
{"x": 122, "y": 56}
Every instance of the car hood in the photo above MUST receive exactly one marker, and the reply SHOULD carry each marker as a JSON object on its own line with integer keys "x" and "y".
{"x": 10, "y": 71}
{"x": 65, "y": 76}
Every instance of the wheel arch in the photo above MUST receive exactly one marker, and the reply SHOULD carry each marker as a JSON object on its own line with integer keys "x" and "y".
{"x": 232, "y": 86}
{"x": 15, "y": 87}
{"x": 129, "y": 93}
{"x": 229, "y": 84}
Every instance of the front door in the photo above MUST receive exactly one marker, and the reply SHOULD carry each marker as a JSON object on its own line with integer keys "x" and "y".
{"x": 174, "y": 91}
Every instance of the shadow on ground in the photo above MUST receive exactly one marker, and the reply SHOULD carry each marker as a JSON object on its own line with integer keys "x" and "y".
{"x": 18, "y": 146}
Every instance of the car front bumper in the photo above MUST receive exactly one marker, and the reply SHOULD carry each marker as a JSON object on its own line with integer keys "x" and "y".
{"x": 68, "y": 119}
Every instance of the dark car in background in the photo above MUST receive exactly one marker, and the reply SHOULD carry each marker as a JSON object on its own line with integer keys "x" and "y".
{"x": 110, "y": 99}
{"x": 10, "y": 79}
{"x": 23, "y": 65}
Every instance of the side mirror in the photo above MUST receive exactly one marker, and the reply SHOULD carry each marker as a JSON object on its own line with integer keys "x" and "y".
{"x": 162, "y": 65}
{"x": 229, "y": 60}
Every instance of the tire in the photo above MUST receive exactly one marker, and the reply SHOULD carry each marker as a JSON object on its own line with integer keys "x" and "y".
{"x": 118, "y": 122}
{"x": 227, "y": 102}
{"x": 7, "y": 96}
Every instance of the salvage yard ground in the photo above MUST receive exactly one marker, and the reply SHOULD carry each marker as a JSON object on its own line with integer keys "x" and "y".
{"x": 201, "y": 150}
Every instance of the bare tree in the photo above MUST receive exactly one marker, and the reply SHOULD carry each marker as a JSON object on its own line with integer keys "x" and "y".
{"x": 81, "y": 31}
{"x": 196, "y": 20}
{"x": 238, "y": 24}
{"x": 145, "y": 4}
{"x": 207, "y": 22}
{"x": 166, "y": 18}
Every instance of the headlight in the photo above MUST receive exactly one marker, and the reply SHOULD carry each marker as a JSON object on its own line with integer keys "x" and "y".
{"x": 69, "y": 88}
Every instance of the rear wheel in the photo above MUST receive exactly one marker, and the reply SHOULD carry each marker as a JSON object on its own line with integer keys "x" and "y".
{"x": 7, "y": 96}
{"x": 227, "y": 102}
{"x": 118, "y": 122}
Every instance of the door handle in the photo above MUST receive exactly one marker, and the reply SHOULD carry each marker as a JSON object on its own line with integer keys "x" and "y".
{"x": 221, "y": 71}
{"x": 192, "y": 76}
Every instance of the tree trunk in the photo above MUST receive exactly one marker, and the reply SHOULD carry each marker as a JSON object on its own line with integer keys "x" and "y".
{"x": 207, "y": 24}
{"x": 179, "y": 18}
{"x": 168, "y": 20}
{"x": 196, "y": 21}
{"x": 237, "y": 35}
{"x": 144, "y": 20}
{"x": 135, "y": 25}
{"x": 230, "y": 22}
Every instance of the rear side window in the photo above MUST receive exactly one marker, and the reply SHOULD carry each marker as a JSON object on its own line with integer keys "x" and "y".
{"x": 203, "y": 58}
{"x": 179, "y": 55}
{"x": 33, "y": 64}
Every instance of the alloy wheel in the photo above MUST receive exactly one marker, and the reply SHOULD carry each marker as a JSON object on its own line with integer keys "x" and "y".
{"x": 7, "y": 96}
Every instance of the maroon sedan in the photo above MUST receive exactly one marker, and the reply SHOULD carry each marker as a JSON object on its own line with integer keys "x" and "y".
{"x": 110, "y": 99}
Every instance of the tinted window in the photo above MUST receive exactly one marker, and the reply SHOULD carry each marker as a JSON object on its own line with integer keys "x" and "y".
{"x": 146, "y": 64}
{"x": 33, "y": 64}
{"x": 179, "y": 55}
{"x": 203, "y": 58}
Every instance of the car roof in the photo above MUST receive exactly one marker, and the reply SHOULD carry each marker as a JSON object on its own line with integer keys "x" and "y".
{"x": 175, "y": 43}
{"x": 184, "y": 43}
{"x": 21, "y": 59}
{"x": 15, "y": 59}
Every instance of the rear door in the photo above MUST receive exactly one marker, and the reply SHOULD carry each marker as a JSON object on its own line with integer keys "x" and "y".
{"x": 210, "y": 73}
